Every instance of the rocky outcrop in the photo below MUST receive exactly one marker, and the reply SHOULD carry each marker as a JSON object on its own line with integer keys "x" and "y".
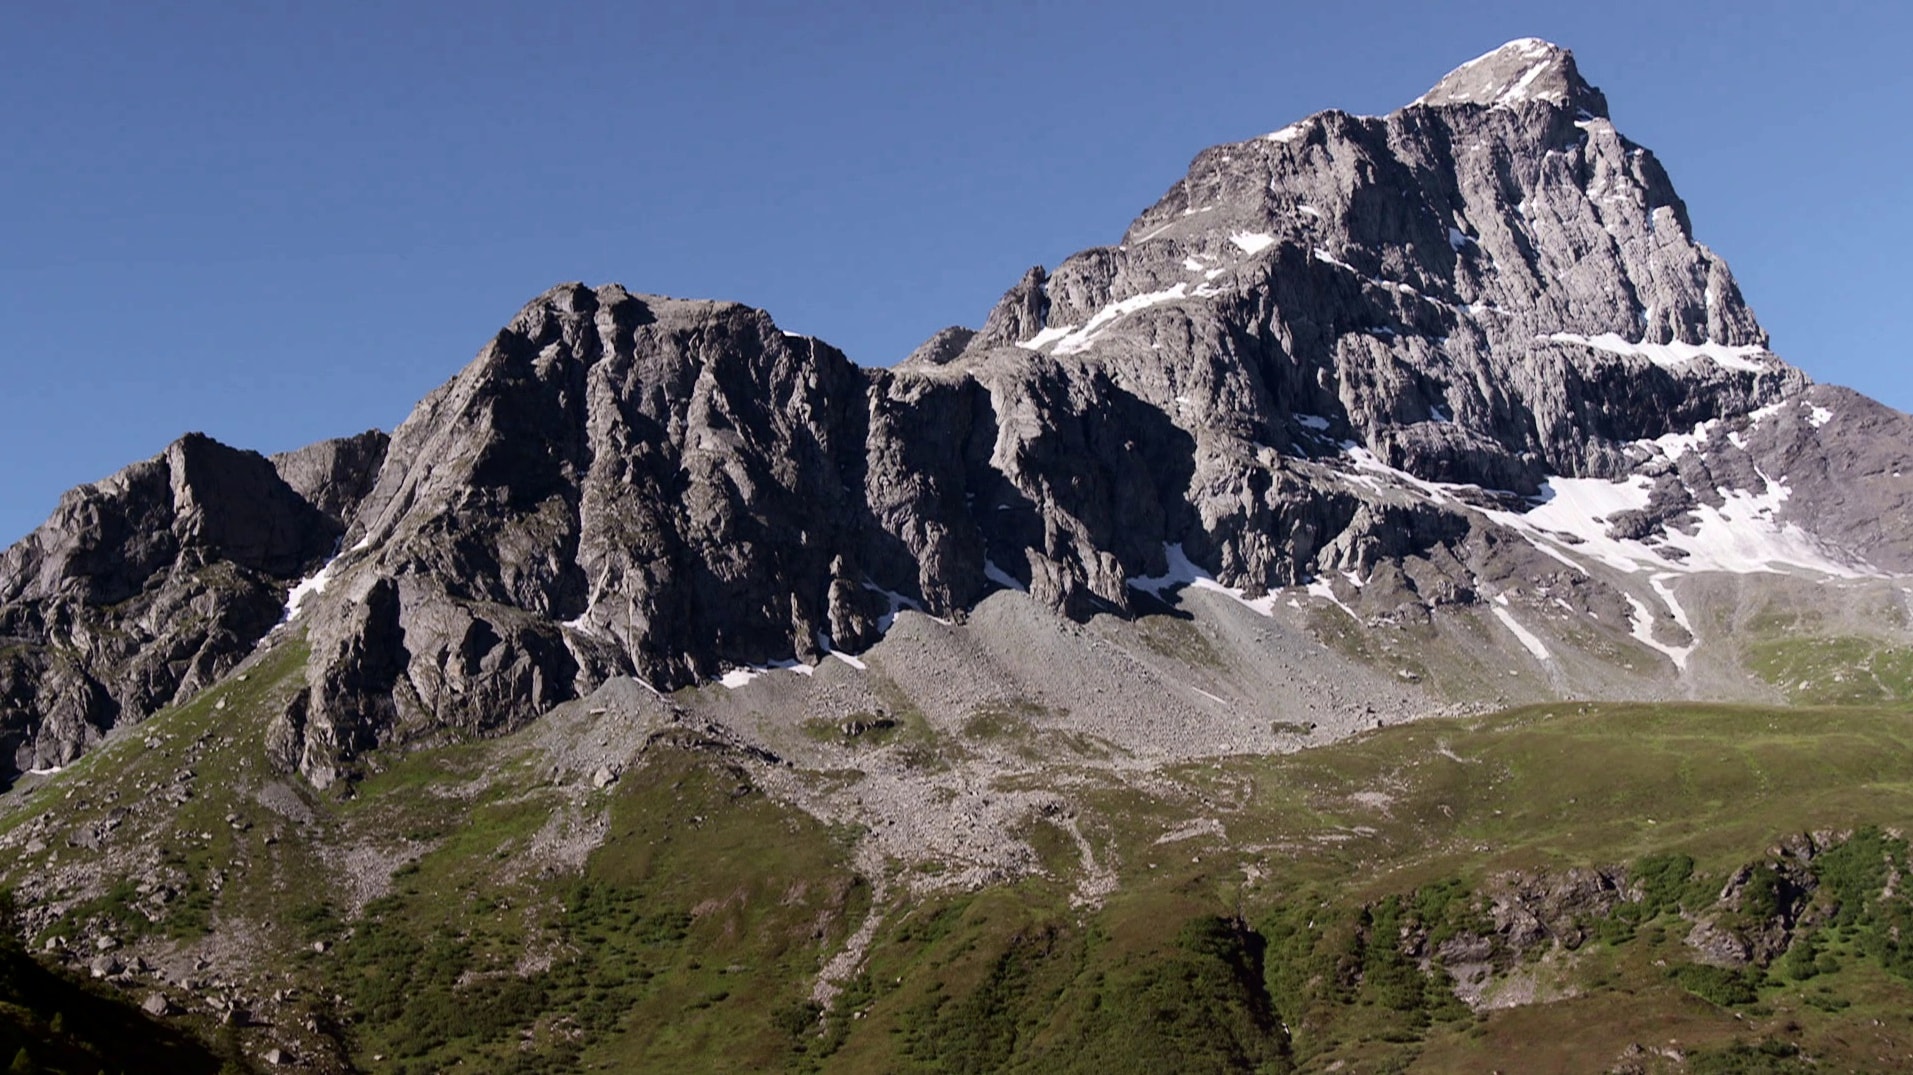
{"x": 150, "y": 585}
{"x": 944, "y": 345}
{"x": 1750, "y": 919}
{"x": 334, "y": 475}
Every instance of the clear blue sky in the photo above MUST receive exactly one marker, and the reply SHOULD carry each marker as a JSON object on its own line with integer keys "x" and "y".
{"x": 278, "y": 222}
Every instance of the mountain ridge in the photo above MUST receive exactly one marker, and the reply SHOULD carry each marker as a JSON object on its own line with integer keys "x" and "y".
{"x": 1355, "y": 350}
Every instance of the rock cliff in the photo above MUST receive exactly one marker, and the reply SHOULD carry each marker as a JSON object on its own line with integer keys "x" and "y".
{"x": 150, "y": 585}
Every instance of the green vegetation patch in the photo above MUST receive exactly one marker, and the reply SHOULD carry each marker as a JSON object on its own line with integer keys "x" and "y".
{"x": 1274, "y": 914}
{"x": 690, "y": 937}
{"x": 1835, "y": 671}
{"x": 1178, "y": 638}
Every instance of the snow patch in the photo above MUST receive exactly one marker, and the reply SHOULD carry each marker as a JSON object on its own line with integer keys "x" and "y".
{"x": 1373, "y": 469}
{"x": 1322, "y": 254}
{"x": 898, "y": 602}
{"x": 1674, "y": 609}
{"x": 1252, "y": 242}
{"x": 1581, "y": 508}
{"x": 1287, "y": 134}
{"x": 1819, "y": 416}
{"x": 1182, "y": 572}
{"x": 737, "y": 677}
{"x": 309, "y": 586}
{"x": 1458, "y": 240}
{"x": 1742, "y": 536}
{"x": 1539, "y": 52}
{"x": 1519, "y": 91}
{"x": 583, "y": 626}
{"x": 1320, "y": 588}
{"x": 1313, "y": 421}
{"x": 1046, "y": 336}
{"x": 1002, "y": 578}
{"x": 1641, "y": 625}
{"x": 1072, "y": 341}
{"x": 1672, "y": 355}
{"x": 1675, "y": 445}
{"x": 1526, "y": 637}
{"x": 1550, "y": 550}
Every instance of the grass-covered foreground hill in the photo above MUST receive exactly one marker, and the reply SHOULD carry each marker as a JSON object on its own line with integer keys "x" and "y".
{"x": 1563, "y": 888}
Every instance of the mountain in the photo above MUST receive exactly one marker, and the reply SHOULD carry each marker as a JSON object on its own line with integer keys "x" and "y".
{"x": 1467, "y": 356}
{"x": 1366, "y": 420}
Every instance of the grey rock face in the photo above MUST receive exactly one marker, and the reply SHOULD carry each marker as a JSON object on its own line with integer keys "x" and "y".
{"x": 1847, "y": 460}
{"x": 942, "y": 347}
{"x": 334, "y": 475}
{"x": 1485, "y": 288}
{"x": 1529, "y": 69}
{"x": 146, "y": 587}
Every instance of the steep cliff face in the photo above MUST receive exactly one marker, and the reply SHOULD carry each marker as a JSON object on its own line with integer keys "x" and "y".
{"x": 334, "y": 475}
{"x": 148, "y": 586}
{"x": 1488, "y": 287}
{"x": 616, "y": 484}
{"x": 1467, "y": 356}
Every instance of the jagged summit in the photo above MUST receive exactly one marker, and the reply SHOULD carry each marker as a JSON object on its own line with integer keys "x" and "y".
{"x": 1528, "y": 69}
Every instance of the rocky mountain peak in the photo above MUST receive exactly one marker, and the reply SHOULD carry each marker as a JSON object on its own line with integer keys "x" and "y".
{"x": 1367, "y": 349}
{"x": 1529, "y": 69}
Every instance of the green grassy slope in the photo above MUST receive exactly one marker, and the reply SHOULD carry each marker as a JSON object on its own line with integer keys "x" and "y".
{"x": 1305, "y": 912}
